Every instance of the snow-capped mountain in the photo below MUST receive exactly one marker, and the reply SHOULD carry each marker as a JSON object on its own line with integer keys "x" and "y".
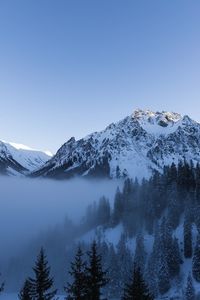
{"x": 19, "y": 159}
{"x": 134, "y": 146}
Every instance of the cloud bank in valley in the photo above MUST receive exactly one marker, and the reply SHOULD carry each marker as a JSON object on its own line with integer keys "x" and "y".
{"x": 28, "y": 206}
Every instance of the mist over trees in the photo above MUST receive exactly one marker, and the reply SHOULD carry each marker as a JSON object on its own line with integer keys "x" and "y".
{"x": 164, "y": 209}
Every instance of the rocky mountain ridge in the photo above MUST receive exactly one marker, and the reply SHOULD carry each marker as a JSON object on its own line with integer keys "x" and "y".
{"x": 134, "y": 146}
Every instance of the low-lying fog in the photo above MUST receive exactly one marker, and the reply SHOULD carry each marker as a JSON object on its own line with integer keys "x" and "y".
{"x": 28, "y": 206}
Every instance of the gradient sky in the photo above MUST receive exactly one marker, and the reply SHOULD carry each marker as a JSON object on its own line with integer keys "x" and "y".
{"x": 71, "y": 67}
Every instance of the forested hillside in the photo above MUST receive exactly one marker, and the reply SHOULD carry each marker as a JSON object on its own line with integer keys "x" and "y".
{"x": 153, "y": 225}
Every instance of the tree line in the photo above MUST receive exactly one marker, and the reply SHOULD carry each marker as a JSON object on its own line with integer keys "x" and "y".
{"x": 87, "y": 280}
{"x": 173, "y": 192}
{"x": 157, "y": 207}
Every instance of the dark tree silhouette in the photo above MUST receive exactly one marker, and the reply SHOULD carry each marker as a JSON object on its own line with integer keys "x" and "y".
{"x": 96, "y": 277}
{"x": 25, "y": 293}
{"x": 137, "y": 288}
{"x": 42, "y": 284}
{"x": 187, "y": 236}
{"x": 77, "y": 290}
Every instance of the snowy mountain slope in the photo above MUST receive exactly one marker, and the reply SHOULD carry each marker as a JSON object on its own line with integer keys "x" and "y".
{"x": 19, "y": 159}
{"x": 112, "y": 236}
{"x": 134, "y": 146}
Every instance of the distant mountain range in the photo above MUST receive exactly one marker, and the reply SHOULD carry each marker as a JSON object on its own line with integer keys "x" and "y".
{"x": 18, "y": 159}
{"x": 134, "y": 146}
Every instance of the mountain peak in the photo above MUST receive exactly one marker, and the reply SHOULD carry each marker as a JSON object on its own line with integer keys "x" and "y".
{"x": 157, "y": 123}
{"x": 134, "y": 146}
{"x": 154, "y": 117}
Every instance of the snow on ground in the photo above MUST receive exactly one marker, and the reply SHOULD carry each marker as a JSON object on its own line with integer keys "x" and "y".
{"x": 27, "y": 157}
{"x": 109, "y": 235}
{"x": 112, "y": 235}
{"x": 179, "y": 284}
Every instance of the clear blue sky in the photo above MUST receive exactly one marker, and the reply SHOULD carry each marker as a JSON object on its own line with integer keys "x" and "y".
{"x": 70, "y": 67}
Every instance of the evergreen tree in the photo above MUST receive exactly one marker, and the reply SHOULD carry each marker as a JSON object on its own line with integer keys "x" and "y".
{"x": 176, "y": 259}
{"x": 91, "y": 216}
{"x": 113, "y": 268}
{"x": 187, "y": 236}
{"x": 125, "y": 261}
{"x": 148, "y": 207}
{"x": 103, "y": 212}
{"x": 118, "y": 173}
{"x": 197, "y": 217}
{"x": 137, "y": 288}
{"x": 197, "y": 190}
{"x": 130, "y": 218}
{"x": 151, "y": 275}
{"x": 172, "y": 173}
{"x": 159, "y": 193}
{"x": 163, "y": 274}
{"x": 190, "y": 291}
{"x": 96, "y": 277}
{"x": 77, "y": 289}
{"x": 174, "y": 207}
{"x": 173, "y": 257}
{"x": 128, "y": 188}
{"x": 118, "y": 208}
{"x": 25, "y": 293}
{"x": 42, "y": 283}
{"x": 196, "y": 261}
{"x": 140, "y": 253}
{"x": 103, "y": 249}
{"x": 170, "y": 248}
